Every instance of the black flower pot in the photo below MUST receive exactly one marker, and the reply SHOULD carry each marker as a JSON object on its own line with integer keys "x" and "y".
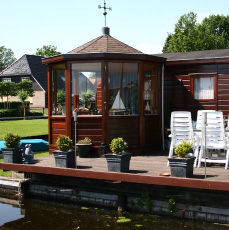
{"x": 118, "y": 163}
{"x": 12, "y": 155}
{"x": 182, "y": 167}
{"x": 65, "y": 159}
{"x": 83, "y": 150}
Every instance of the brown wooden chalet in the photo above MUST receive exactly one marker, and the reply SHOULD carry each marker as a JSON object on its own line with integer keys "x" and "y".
{"x": 116, "y": 90}
{"x": 197, "y": 80}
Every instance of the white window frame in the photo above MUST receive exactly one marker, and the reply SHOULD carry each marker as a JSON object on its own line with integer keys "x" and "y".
{"x": 8, "y": 79}
{"x": 25, "y": 78}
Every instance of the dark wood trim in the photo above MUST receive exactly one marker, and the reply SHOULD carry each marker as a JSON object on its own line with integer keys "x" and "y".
{"x": 198, "y": 61}
{"x": 141, "y": 104}
{"x": 123, "y": 177}
{"x": 104, "y": 56}
{"x": 105, "y": 112}
{"x": 68, "y": 108}
{"x": 49, "y": 80}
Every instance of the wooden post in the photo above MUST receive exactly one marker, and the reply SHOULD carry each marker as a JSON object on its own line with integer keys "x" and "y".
{"x": 203, "y": 128}
{"x": 68, "y": 108}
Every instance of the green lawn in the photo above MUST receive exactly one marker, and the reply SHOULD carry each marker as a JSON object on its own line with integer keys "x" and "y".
{"x": 24, "y": 127}
{"x": 40, "y": 111}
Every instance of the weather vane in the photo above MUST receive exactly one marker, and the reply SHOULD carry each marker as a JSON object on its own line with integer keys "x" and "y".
{"x": 105, "y": 8}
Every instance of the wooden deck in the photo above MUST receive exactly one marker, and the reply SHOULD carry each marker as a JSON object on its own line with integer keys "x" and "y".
{"x": 143, "y": 169}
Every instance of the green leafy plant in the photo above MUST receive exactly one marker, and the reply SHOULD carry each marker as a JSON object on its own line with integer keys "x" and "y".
{"x": 86, "y": 141}
{"x": 183, "y": 149}
{"x": 171, "y": 205}
{"x": 145, "y": 201}
{"x": 118, "y": 145}
{"x": 64, "y": 143}
{"x": 60, "y": 96}
{"x": 86, "y": 96}
{"x": 11, "y": 140}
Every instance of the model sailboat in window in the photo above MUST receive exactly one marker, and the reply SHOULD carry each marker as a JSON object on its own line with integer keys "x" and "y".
{"x": 118, "y": 106}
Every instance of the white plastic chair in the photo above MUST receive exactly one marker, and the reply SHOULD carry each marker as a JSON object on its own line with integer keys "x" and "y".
{"x": 181, "y": 129}
{"x": 199, "y": 117}
{"x": 214, "y": 137}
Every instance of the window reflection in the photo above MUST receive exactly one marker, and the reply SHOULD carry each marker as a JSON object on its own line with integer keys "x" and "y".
{"x": 87, "y": 88}
{"x": 150, "y": 89}
{"x": 58, "y": 90}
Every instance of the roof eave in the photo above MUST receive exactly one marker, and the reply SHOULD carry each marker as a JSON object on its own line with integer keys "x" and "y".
{"x": 100, "y": 56}
{"x": 221, "y": 60}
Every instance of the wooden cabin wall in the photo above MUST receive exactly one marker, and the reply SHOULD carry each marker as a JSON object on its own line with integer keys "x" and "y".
{"x": 86, "y": 127}
{"x": 177, "y": 88}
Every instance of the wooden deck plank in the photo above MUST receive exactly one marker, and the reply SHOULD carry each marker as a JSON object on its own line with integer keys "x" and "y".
{"x": 143, "y": 169}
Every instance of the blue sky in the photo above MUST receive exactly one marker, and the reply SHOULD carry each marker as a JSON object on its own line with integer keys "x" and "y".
{"x": 29, "y": 24}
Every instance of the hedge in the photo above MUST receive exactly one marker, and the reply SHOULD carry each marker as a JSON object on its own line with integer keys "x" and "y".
{"x": 13, "y": 104}
{"x": 9, "y": 113}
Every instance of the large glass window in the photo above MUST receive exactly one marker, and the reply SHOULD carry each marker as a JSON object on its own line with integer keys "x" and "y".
{"x": 123, "y": 88}
{"x": 58, "y": 90}
{"x": 87, "y": 88}
{"x": 203, "y": 88}
{"x": 151, "y": 89}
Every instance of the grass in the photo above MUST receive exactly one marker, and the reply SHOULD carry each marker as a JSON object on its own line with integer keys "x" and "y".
{"x": 24, "y": 127}
{"x": 36, "y": 155}
{"x": 40, "y": 111}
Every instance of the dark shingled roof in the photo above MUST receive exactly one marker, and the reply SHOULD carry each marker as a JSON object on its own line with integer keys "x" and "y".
{"x": 28, "y": 65}
{"x": 105, "y": 44}
{"x": 196, "y": 55}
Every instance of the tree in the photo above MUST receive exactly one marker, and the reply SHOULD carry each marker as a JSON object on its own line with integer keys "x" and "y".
{"x": 26, "y": 86}
{"x": 8, "y": 89}
{"x": 61, "y": 96}
{"x": 188, "y": 35}
{"x": 214, "y": 33}
{"x": 6, "y": 57}
{"x": 23, "y": 95}
{"x": 47, "y": 51}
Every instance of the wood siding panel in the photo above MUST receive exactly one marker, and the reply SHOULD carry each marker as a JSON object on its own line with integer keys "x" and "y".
{"x": 88, "y": 126}
{"x": 153, "y": 131}
{"x": 126, "y": 127}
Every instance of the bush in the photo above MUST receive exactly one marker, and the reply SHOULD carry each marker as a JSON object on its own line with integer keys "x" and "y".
{"x": 183, "y": 149}
{"x": 9, "y": 113}
{"x": 34, "y": 113}
{"x": 64, "y": 143}
{"x": 118, "y": 145}
{"x": 86, "y": 141}
{"x": 11, "y": 140}
{"x": 13, "y": 104}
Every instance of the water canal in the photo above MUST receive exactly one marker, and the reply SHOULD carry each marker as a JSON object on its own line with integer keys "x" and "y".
{"x": 31, "y": 214}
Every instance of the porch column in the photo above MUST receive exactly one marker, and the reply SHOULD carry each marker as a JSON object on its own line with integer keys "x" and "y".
{"x": 68, "y": 107}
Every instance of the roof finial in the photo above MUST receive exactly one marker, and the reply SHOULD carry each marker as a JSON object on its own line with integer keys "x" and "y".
{"x": 105, "y": 8}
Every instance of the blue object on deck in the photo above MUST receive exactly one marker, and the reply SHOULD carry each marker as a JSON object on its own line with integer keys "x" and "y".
{"x": 37, "y": 144}
{"x": 2, "y": 145}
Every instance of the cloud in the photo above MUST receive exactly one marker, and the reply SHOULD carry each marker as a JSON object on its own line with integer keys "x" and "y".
{"x": 202, "y": 15}
{"x": 149, "y": 48}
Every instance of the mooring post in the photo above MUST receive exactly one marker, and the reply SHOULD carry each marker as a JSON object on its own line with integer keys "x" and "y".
{"x": 122, "y": 203}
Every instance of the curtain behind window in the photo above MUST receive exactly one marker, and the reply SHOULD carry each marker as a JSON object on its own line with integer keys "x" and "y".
{"x": 204, "y": 88}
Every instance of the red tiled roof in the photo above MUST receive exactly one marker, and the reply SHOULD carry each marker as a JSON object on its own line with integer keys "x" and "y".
{"x": 105, "y": 44}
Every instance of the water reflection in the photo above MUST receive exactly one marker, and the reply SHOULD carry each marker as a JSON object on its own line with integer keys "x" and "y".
{"x": 44, "y": 215}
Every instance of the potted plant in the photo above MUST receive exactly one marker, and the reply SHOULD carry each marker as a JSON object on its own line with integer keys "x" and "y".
{"x": 65, "y": 156}
{"x": 12, "y": 153}
{"x": 83, "y": 147}
{"x": 118, "y": 160}
{"x": 182, "y": 164}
